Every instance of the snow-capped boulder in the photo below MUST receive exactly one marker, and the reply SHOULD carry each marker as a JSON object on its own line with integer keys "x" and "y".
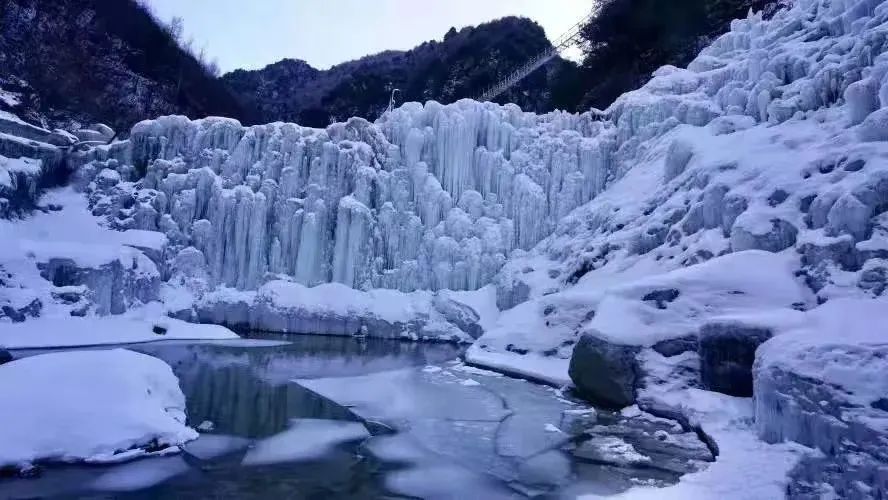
{"x": 463, "y": 316}
{"x": 113, "y": 286}
{"x": 823, "y": 383}
{"x": 89, "y": 406}
{"x": 752, "y": 233}
{"x": 98, "y": 133}
{"x": 875, "y": 126}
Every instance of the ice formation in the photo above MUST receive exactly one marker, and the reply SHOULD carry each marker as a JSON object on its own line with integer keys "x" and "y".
{"x": 429, "y": 197}
{"x": 762, "y": 168}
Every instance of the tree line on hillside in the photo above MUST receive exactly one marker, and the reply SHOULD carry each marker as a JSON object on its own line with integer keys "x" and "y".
{"x": 462, "y": 64}
{"x": 629, "y": 39}
{"x": 105, "y": 60}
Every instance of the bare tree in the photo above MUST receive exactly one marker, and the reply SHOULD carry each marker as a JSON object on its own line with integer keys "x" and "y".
{"x": 176, "y": 28}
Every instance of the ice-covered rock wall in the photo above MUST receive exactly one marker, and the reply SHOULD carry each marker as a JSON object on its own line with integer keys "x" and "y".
{"x": 774, "y": 139}
{"x": 430, "y": 197}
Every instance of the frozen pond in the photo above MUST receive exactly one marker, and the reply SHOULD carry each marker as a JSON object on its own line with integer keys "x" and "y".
{"x": 335, "y": 417}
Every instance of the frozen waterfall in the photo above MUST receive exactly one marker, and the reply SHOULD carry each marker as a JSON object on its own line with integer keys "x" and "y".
{"x": 429, "y": 197}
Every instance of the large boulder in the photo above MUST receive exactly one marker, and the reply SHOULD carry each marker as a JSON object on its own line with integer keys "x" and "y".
{"x": 727, "y": 352}
{"x": 605, "y": 373}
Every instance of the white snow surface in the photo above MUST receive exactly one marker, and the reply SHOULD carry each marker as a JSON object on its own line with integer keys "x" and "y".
{"x": 118, "y": 402}
{"x": 9, "y": 98}
{"x": 843, "y": 344}
{"x": 9, "y": 166}
{"x": 72, "y": 233}
{"x": 59, "y": 331}
{"x": 757, "y": 146}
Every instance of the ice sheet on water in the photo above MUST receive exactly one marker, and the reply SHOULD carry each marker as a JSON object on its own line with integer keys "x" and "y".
{"x": 427, "y": 474}
{"x": 306, "y": 439}
{"x": 493, "y": 425}
{"x": 210, "y": 446}
{"x": 140, "y": 474}
{"x": 446, "y": 482}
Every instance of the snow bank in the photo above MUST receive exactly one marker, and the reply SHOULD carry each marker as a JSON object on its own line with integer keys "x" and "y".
{"x": 676, "y": 304}
{"x": 120, "y": 405}
{"x": 73, "y": 332}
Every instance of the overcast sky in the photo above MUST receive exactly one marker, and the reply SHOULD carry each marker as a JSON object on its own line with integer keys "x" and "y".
{"x": 251, "y": 34}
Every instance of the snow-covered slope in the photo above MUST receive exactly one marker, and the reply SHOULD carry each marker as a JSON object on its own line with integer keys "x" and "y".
{"x": 772, "y": 139}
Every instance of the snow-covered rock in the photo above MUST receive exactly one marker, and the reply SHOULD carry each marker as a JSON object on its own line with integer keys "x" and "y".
{"x": 31, "y": 159}
{"x": 334, "y": 309}
{"x": 112, "y": 288}
{"x": 613, "y": 328}
{"x": 824, "y": 384}
{"x": 770, "y": 141}
{"x": 119, "y": 406}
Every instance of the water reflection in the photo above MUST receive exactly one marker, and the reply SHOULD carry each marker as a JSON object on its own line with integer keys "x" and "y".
{"x": 244, "y": 390}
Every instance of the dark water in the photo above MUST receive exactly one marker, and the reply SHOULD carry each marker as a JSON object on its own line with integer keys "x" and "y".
{"x": 245, "y": 391}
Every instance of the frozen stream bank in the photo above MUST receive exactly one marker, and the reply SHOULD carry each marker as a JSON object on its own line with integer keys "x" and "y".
{"x": 341, "y": 418}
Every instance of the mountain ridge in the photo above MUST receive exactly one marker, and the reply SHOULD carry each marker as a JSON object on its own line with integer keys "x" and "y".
{"x": 462, "y": 64}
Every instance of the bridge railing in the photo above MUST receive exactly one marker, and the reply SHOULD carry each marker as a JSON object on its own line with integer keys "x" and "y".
{"x": 568, "y": 39}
